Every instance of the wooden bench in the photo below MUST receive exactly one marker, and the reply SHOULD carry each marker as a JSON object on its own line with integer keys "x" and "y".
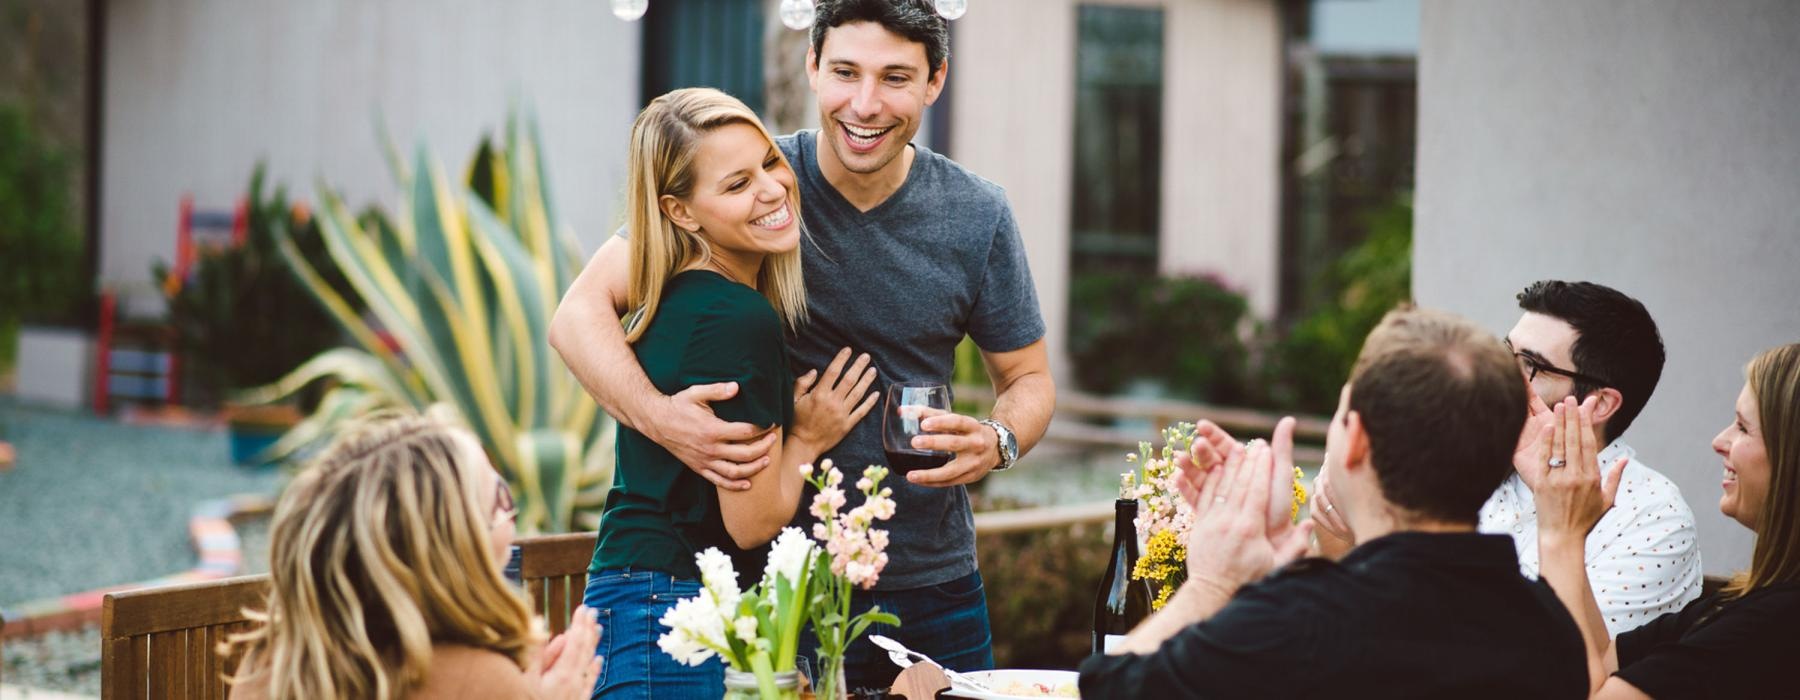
{"x": 554, "y": 568}
{"x": 162, "y": 642}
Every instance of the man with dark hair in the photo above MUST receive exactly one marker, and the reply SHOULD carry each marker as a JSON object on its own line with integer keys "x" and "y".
{"x": 915, "y": 22}
{"x": 1423, "y": 606}
{"x": 1584, "y": 340}
{"x": 907, "y": 252}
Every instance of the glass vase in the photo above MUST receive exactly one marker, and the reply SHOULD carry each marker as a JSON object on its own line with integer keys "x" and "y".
{"x": 742, "y": 685}
{"x": 834, "y": 690}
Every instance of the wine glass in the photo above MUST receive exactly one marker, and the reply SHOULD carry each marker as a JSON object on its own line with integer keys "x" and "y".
{"x": 909, "y": 404}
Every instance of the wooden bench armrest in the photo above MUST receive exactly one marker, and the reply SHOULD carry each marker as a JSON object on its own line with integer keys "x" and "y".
{"x": 167, "y": 608}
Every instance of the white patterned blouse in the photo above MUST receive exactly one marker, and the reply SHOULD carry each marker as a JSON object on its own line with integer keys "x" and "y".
{"x": 1643, "y": 558}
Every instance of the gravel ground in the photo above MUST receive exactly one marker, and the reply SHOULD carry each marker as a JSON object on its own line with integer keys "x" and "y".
{"x": 69, "y": 662}
{"x": 95, "y": 503}
{"x": 63, "y": 661}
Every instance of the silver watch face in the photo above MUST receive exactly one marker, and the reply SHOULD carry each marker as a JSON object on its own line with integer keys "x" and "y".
{"x": 1009, "y": 444}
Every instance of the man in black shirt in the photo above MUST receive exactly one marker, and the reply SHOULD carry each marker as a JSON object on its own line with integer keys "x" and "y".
{"x": 1424, "y": 607}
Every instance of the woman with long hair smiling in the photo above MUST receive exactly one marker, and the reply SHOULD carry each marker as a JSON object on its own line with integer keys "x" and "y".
{"x": 713, "y": 220}
{"x": 1737, "y": 642}
{"x": 385, "y": 579}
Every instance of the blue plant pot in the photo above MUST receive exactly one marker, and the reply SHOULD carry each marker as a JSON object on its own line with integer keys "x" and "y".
{"x": 247, "y": 443}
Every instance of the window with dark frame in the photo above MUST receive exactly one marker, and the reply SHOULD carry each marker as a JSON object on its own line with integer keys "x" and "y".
{"x": 1117, "y": 193}
{"x": 705, "y": 43}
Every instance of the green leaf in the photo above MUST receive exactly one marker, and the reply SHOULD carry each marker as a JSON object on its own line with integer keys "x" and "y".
{"x": 464, "y": 279}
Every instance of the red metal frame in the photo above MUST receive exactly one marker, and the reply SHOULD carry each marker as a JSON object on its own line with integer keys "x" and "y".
{"x": 186, "y": 252}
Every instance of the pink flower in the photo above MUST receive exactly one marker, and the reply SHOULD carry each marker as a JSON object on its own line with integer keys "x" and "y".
{"x": 854, "y": 547}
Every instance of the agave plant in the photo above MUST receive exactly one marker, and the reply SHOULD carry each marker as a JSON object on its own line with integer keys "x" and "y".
{"x": 459, "y": 290}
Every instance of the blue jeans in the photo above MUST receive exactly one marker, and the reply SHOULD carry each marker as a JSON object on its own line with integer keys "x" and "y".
{"x": 947, "y": 622}
{"x": 628, "y": 603}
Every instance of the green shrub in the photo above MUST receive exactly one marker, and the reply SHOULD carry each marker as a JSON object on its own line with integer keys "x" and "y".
{"x": 1188, "y": 333}
{"x": 1181, "y": 331}
{"x": 41, "y": 276}
{"x": 1040, "y": 592}
{"x": 1307, "y": 365}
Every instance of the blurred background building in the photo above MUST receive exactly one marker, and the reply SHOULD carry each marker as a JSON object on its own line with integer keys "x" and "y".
{"x": 1222, "y": 188}
{"x": 1143, "y": 139}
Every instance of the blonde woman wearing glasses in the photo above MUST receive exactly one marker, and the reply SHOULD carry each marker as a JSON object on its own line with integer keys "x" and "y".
{"x": 385, "y": 572}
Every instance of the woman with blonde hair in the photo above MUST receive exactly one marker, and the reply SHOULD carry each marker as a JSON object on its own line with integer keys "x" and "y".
{"x": 1735, "y": 643}
{"x": 385, "y": 570}
{"x": 713, "y": 222}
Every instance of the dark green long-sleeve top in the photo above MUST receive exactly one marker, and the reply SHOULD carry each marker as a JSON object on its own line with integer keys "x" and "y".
{"x": 707, "y": 329}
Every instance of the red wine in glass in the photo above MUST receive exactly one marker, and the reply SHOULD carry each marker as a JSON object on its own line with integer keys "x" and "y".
{"x": 909, "y": 404}
{"x": 907, "y": 461}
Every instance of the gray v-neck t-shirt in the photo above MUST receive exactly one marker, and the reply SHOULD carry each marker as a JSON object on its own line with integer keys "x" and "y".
{"x": 904, "y": 281}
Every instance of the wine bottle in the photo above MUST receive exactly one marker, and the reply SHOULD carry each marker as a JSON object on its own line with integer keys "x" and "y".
{"x": 1123, "y": 601}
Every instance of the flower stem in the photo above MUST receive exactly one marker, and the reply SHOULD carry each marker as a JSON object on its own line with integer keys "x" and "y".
{"x": 765, "y": 675}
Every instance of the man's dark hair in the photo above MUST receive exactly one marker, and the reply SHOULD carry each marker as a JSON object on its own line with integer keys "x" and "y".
{"x": 1615, "y": 340}
{"x": 915, "y": 20}
{"x": 1442, "y": 404}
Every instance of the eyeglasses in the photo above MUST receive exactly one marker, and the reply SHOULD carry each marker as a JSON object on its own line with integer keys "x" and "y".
{"x": 504, "y": 509}
{"x": 1532, "y": 365}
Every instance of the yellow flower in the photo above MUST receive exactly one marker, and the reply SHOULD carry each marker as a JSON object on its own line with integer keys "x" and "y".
{"x": 1299, "y": 494}
{"x": 1164, "y": 562}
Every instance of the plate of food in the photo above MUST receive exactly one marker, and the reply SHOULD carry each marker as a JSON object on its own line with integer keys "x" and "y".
{"x": 1012, "y": 684}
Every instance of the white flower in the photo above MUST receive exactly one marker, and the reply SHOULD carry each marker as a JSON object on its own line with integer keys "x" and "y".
{"x": 746, "y": 629}
{"x": 696, "y": 629}
{"x": 789, "y": 556}
{"x": 717, "y": 574}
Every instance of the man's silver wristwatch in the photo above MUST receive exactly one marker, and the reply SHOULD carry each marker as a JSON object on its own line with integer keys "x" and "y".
{"x": 1008, "y": 444}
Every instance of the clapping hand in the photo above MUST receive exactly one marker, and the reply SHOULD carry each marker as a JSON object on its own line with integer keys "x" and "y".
{"x": 1232, "y": 542}
{"x": 567, "y": 667}
{"x": 1212, "y": 446}
{"x": 1533, "y": 440}
{"x": 1571, "y": 496}
{"x": 1325, "y": 513}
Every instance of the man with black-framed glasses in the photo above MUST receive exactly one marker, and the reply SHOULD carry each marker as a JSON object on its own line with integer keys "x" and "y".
{"x": 1583, "y": 339}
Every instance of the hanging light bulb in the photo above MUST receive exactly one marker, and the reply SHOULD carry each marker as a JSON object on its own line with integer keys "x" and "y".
{"x": 630, "y": 10}
{"x": 797, "y": 14}
{"x": 952, "y": 9}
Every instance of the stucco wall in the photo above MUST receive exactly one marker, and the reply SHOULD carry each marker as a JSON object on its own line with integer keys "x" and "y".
{"x": 1646, "y": 144}
{"x": 196, "y": 91}
{"x": 1012, "y": 74}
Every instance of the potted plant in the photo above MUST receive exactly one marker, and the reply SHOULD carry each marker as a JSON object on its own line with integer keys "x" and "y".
{"x": 459, "y": 282}
{"x": 242, "y": 318}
